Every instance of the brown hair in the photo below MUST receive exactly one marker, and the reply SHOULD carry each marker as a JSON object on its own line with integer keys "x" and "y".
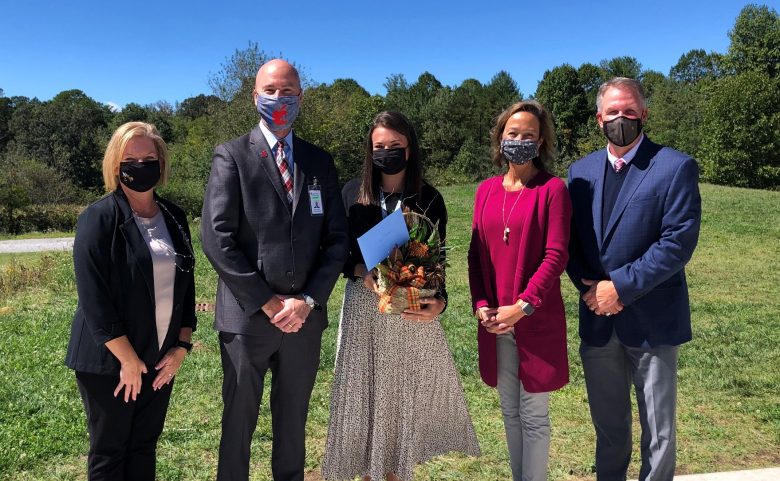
{"x": 116, "y": 149}
{"x": 372, "y": 177}
{"x": 547, "y": 151}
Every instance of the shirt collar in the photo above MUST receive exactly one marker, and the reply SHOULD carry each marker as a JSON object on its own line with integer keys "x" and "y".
{"x": 273, "y": 139}
{"x": 628, "y": 156}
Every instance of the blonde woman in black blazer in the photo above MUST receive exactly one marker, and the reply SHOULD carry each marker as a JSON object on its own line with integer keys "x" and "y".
{"x": 136, "y": 311}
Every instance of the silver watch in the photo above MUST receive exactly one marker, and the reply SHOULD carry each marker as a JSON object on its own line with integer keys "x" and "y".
{"x": 527, "y": 308}
{"x": 311, "y": 302}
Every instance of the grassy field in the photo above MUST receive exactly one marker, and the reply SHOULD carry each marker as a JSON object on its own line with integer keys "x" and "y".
{"x": 729, "y": 389}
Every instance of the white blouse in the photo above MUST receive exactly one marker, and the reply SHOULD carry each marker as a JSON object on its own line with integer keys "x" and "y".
{"x": 158, "y": 239}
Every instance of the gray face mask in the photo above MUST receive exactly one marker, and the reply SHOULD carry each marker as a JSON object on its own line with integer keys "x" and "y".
{"x": 519, "y": 152}
{"x": 279, "y": 113}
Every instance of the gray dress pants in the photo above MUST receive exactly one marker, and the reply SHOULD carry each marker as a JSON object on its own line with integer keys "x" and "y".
{"x": 609, "y": 372}
{"x": 526, "y": 417}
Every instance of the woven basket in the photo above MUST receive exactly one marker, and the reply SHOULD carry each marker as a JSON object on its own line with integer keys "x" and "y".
{"x": 400, "y": 298}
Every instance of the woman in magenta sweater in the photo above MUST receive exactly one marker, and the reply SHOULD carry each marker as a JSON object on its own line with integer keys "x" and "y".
{"x": 518, "y": 251}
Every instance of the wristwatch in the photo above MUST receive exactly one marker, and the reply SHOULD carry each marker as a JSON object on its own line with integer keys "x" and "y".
{"x": 526, "y": 307}
{"x": 311, "y": 302}
{"x": 186, "y": 345}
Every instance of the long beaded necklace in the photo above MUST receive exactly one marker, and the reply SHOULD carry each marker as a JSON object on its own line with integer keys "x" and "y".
{"x": 506, "y": 219}
{"x": 176, "y": 255}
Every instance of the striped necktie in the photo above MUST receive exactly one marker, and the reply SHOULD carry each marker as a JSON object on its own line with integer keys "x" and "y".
{"x": 619, "y": 165}
{"x": 284, "y": 170}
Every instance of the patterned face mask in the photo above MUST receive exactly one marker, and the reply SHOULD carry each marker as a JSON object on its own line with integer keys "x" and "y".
{"x": 279, "y": 113}
{"x": 520, "y": 151}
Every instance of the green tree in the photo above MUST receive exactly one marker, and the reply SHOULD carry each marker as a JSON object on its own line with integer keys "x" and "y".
{"x": 441, "y": 133}
{"x": 755, "y": 41}
{"x": 6, "y": 111}
{"x": 336, "y": 117}
{"x": 696, "y": 65}
{"x": 591, "y": 77}
{"x": 67, "y": 133}
{"x": 234, "y": 84}
{"x": 561, "y": 92}
{"x": 473, "y": 161}
{"x": 190, "y": 165}
{"x": 622, "y": 67}
{"x": 397, "y": 97}
{"x": 411, "y": 99}
{"x": 651, "y": 79}
{"x": 237, "y": 71}
{"x": 199, "y": 106}
{"x": 740, "y": 142}
{"x": 676, "y": 114}
{"x": 501, "y": 92}
{"x": 131, "y": 112}
{"x": 472, "y": 110}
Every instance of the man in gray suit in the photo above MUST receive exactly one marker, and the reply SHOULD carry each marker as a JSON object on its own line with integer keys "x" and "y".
{"x": 274, "y": 228}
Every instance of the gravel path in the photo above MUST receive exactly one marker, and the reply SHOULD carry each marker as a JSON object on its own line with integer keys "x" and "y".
{"x": 36, "y": 245}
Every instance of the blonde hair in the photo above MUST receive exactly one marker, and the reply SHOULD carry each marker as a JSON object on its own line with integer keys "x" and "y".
{"x": 116, "y": 149}
{"x": 547, "y": 152}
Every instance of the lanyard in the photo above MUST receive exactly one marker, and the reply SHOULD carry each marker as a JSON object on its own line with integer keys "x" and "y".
{"x": 383, "y": 203}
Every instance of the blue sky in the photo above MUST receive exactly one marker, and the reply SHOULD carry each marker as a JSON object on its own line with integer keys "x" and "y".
{"x": 142, "y": 52}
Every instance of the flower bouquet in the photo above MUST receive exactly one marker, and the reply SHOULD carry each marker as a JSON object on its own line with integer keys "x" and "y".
{"x": 414, "y": 270}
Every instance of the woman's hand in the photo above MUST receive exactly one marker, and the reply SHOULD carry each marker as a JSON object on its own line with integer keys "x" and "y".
{"x": 369, "y": 277}
{"x": 485, "y": 314}
{"x": 130, "y": 378}
{"x": 168, "y": 366}
{"x": 430, "y": 307}
{"x": 131, "y": 367}
{"x": 500, "y": 320}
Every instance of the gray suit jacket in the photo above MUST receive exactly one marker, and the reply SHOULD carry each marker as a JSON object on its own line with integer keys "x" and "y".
{"x": 258, "y": 244}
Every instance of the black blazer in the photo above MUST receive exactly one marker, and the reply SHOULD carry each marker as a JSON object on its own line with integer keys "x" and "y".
{"x": 361, "y": 218}
{"x": 261, "y": 246}
{"x": 115, "y": 283}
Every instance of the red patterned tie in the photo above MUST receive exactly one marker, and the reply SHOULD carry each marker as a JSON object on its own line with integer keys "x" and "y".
{"x": 284, "y": 170}
{"x": 619, "y": 164}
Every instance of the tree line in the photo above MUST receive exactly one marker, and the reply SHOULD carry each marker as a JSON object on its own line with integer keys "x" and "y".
{"x": 721, "y": 108}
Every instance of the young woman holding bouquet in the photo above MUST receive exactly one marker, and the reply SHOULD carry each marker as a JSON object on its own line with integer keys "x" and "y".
{"x": 396, "y": 399}
{"x": 518, "y": 251}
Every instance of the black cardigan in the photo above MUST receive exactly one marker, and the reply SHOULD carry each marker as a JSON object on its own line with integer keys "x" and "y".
{"x": 363, "y": 217}
{"x": 115, "y": 284}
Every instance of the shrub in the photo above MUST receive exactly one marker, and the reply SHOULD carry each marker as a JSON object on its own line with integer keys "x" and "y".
{"x": 39, "y": 218}
{"x": 16, "y": 276}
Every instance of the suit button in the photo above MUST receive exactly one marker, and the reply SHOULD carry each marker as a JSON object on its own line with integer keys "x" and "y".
{"x": 288, "y": 273}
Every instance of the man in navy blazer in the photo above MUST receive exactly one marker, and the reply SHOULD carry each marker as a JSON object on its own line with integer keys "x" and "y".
{"x": 636, "y": 219}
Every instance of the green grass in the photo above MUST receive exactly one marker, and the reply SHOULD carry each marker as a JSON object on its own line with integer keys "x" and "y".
{"x": 729, "y": 389}
{"x": 25, "y": 258}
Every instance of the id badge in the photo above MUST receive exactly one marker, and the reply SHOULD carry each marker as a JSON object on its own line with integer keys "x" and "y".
{"x": 315, "y": 199}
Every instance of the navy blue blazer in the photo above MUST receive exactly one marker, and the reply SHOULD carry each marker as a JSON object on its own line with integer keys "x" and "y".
{"x": 649, "y": 237}
{"x": 115, "y": 284}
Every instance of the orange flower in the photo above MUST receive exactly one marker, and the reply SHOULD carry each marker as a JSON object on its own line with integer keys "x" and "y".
{"x": 418, "y": 249}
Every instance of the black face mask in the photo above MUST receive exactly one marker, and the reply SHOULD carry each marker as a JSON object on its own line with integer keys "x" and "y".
{"x": 621, "y": 131}
{"x": 390, "y": 161}
{"x": 139, "y": 176}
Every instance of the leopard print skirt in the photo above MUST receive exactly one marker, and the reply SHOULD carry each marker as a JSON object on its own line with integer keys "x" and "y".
{"x": 396, "y": 398}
